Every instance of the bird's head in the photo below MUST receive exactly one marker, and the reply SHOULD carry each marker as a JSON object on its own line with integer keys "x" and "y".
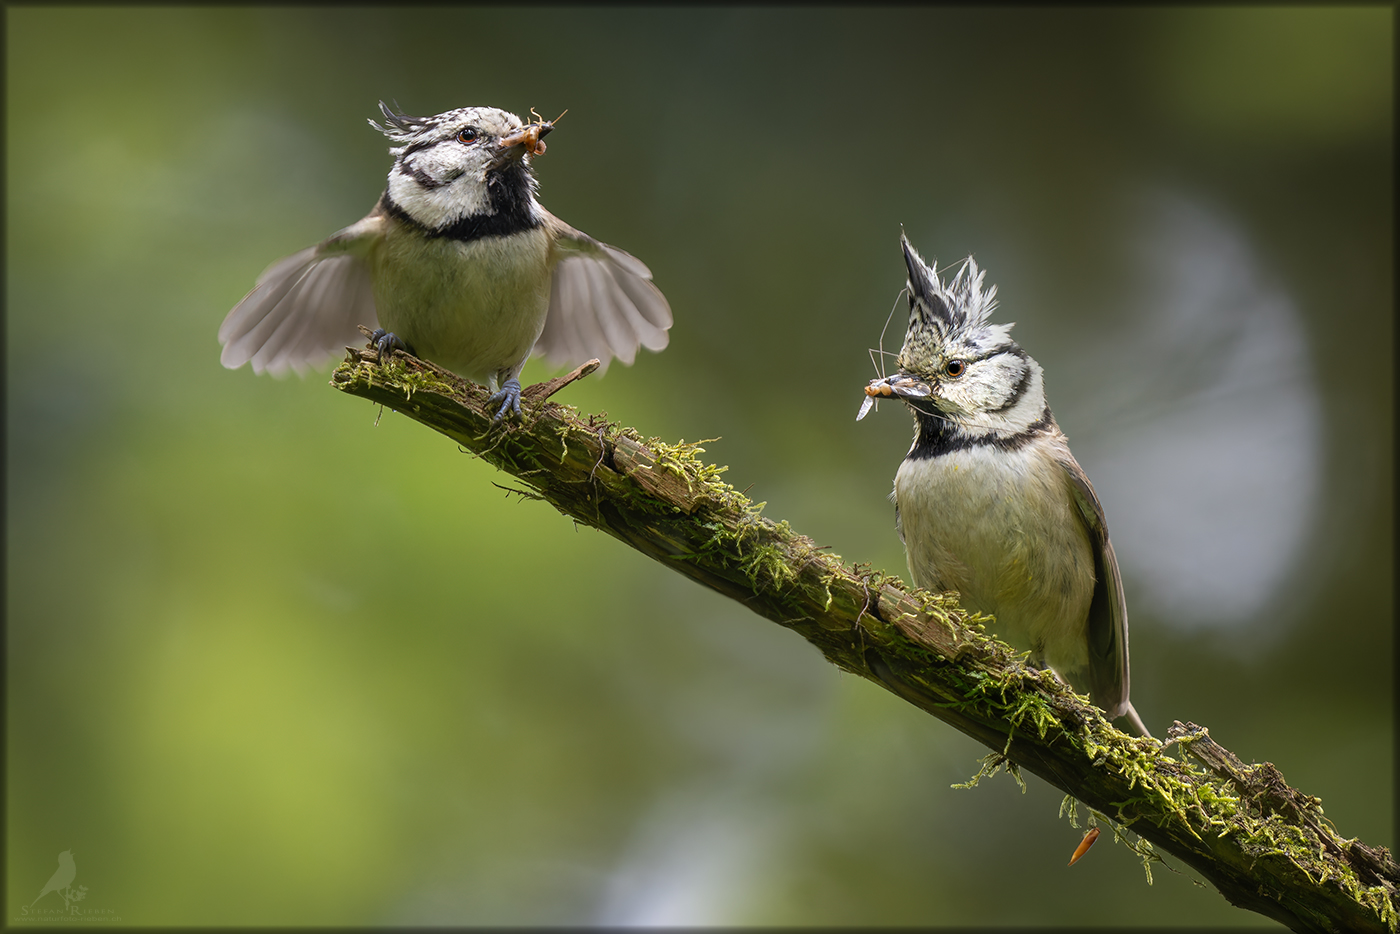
{"x": 955, "y": 365}
{"x": 472, "y": 161}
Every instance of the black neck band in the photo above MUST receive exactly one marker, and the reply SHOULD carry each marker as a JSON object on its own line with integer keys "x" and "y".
{"x": 937, "y": 435}
{"x": 507, "y": 189}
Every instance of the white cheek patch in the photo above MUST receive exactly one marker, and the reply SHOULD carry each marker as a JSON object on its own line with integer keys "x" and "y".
{"x": 1003, "y": 394}
{"x": 984, "y": 388}
{"x": 1000, "y": 382}
{"x": 441, "y": 184}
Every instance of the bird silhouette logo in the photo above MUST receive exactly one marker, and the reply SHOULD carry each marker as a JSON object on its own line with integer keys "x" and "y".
{"x": 62, "y": 882}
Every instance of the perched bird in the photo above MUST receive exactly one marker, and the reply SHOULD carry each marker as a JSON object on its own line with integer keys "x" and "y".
{"x": 458, "y": 263}
{"x": 990, "y": 502}
{"x": 62, "y": 877}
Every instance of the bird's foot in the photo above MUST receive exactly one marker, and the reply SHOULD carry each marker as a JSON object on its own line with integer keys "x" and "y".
{"x": 509, "y": 398}
{"x": 386, "y": 342}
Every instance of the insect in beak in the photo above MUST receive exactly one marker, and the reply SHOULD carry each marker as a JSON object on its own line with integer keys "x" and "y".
{"x": 532, "y": 135}
{"x": 886, "y": 387}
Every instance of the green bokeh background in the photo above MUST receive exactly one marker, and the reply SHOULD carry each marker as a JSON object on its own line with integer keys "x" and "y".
{"x": 274, "y": 656}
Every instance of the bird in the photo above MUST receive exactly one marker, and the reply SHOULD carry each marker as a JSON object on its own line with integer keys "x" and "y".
{"x": 989, "y": 501}
{"x": 62, "y": 877}
{"x": 457, "y": 263}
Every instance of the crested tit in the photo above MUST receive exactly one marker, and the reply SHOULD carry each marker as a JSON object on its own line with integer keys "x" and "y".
{"x": 458, "y": 263}
{"x": 990, "y": 502}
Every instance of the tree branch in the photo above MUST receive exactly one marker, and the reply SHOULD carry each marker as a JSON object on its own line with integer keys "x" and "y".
{"x": 1265, "y": 846}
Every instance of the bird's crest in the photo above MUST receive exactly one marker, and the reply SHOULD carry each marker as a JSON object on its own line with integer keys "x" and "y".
{"x": 944, "y": 316}
{"x": 400, "y": 127}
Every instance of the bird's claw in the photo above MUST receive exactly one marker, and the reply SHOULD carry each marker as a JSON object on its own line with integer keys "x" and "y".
{"x": 386, "y": 342}
{"x": 509, "y": 398}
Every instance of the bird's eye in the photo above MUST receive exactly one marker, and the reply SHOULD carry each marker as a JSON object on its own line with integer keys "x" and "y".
{"x": 955, "y": 368}
{"x": 468, "y": 134}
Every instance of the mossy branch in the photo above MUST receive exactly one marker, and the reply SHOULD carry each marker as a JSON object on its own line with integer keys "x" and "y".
{"x": 1265, "y": 846}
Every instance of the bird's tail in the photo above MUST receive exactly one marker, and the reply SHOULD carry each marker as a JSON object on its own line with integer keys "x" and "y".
{"x": 1135, "y": 721}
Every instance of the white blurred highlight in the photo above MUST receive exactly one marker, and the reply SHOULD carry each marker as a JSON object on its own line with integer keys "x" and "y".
{"x": 1202, "y": 433}
{"x": 696, "y": 860}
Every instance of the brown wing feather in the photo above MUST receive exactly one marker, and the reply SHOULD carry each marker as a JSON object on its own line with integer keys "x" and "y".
{"x": 305, "y": 307}
{"x": 1108, "y": 680}
{"x": 602, "y": 303}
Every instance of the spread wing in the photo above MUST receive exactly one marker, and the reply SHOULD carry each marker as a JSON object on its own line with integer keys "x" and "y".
{"x": 602, "y": 303}
{"x": 305, "y": 308}
{"x": 1108, "y": 611}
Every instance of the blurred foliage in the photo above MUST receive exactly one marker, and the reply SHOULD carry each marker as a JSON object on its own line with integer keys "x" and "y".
{"x": 274, "y": 656}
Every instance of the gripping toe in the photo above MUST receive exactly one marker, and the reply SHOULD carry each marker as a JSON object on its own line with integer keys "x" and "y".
{"x": 509, "y": 398}
{"x": 386, "y": 342}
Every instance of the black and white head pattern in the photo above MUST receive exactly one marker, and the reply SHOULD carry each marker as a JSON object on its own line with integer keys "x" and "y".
{"x": 451, "y": 174}
{"x": 980, "y": 380}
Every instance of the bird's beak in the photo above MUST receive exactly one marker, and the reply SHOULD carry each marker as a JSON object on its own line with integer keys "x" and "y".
{"x": 896, "y": 386}
{"x": 905, "y": 387}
